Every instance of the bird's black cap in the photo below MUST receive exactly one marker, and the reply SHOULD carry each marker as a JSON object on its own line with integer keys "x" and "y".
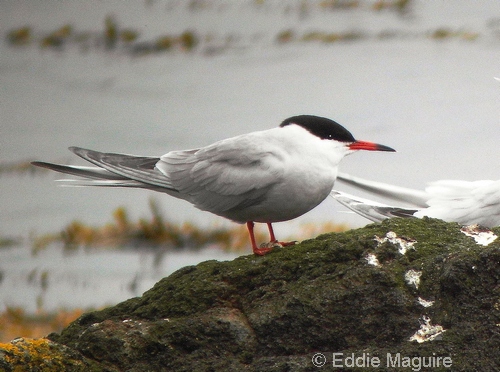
{"x": 324, "y": 128}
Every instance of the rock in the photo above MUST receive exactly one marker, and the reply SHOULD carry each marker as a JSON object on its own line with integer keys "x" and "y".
{"x": 346, "y": 299}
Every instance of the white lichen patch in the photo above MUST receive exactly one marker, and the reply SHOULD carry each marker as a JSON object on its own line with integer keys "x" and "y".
{"x": 412, "y": 277}
{"x": 131, "y": 322}
{"x": 403, "y": 243}
{"x": 481, "y": 235}
{"x": 425, "y": 303}
{"x": 427, "y": 331}
{"x": 372, "y": 260}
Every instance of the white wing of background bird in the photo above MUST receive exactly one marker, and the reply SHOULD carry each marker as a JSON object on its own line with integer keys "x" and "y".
{"x": 465, "y": 202}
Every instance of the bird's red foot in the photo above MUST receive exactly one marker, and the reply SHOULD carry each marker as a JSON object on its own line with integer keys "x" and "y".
{"x": 261, "y": 251}
{"x": 265, "y": 248}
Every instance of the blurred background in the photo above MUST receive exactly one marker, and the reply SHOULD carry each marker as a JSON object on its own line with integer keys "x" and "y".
{"x": 147, "y": 77}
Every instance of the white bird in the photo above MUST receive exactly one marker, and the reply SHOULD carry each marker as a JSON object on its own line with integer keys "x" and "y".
{"x": 465, "y": 202}
{"x": 266, "y": 176}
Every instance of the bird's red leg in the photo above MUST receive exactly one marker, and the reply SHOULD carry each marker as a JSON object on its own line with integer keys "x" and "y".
{"x": 273, "y": 237}
{"x": 256, "y": 250}
{"x": 271, "y": 233}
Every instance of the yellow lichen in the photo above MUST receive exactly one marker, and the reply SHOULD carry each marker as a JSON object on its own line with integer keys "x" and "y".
{"x": 40, "y": 354}
{"x": 28, "y": 351}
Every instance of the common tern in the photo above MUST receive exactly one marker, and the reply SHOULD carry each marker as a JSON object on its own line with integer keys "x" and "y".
{"x": 465, "y": 202}
{"x": 266, "y": 176}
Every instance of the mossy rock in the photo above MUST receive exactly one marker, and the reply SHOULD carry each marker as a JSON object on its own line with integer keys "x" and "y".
{"x": 274, "y": 313}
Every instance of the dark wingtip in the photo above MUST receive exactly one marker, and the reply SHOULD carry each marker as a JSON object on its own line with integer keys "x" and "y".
{"x": 76, "y": 150}
{"x": 40, "y": 164}
{"x": 50, "y": 166}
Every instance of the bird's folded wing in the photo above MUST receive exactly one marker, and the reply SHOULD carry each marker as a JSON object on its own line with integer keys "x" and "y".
{"x": 414, "y": 197}
{"x": 130, "y": 167}
{"x": 370, "y": 209}
{"x": 223, "y": 176}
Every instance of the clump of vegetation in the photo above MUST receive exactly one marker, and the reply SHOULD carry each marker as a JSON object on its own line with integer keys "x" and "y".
{"x": 330, "y": 37}
{"x": 188, "y": 40}
{"x": 446, "y": 33}
{"x": 399, "y": 5}
{"x": 339, "y": 4}
{"x": 57, "y": 38}
{"x": 110, "y": 32}
{"x": 158, "y": 232}
{"x": 8, "y": 242}
{"x": 112, "y": 37}
{"x": 19, "y": 36}
{"x": 288, "y": 35}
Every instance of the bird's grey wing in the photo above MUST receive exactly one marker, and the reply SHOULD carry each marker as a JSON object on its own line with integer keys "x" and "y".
{"x": 414, "y": 197}
{"x": 370, "y": 209}
{"x": 229, "y": 174}
{"x": 476, "y": 202}
{"x": 115, "y": 170}
{"x": 137, "y": 168}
